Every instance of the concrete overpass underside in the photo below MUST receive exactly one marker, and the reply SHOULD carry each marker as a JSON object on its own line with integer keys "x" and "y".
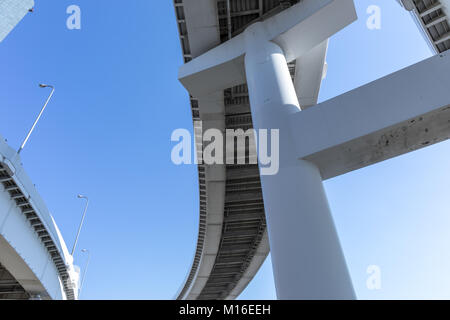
{"x": 232, "y": 241}
{"x": 433, "y": 17}
{"x": 10, "y": 289}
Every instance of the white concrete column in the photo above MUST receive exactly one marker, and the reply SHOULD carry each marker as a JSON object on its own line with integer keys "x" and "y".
{"x": 308, "y": 261}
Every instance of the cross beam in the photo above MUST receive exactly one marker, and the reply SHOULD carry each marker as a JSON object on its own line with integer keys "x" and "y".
{"x": 402, "y": 112}
{"x": 296, "y": 31}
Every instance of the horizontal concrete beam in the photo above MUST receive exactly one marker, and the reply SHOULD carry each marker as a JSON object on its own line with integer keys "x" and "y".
{"x": 402, "y": 112}
{"x": 296, "y": 30}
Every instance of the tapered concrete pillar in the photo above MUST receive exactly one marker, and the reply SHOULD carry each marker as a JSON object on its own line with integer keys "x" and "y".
{"x": 308, "y": 261}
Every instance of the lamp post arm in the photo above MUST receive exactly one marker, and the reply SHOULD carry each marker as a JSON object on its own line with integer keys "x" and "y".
{"x": 37, "y": 119}
{"x": 81, "y": 225}
{"x": 84, "y": 273}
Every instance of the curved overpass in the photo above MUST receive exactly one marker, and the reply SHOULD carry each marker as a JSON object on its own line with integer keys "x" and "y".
{"x": 232, "y": 242}
{"x": 34, "y": 260}
{"x": 432, "y": 17}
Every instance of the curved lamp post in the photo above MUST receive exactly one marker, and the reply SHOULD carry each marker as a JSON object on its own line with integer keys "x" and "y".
{"x": 85, "y": 269}
{"x": 82, "y": 220}
{"x": 39, "y": 116}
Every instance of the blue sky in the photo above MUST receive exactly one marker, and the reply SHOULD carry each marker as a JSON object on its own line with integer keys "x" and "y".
{"x": 106, "y": 134}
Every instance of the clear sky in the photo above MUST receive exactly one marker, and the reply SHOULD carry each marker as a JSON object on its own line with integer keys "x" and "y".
{"x": 107, "y": 131}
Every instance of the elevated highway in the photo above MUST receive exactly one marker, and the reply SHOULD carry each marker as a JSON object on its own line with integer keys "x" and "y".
{"x": 433, "y": 19}
{"x": 34, "y": 260}
{"x": 232, "y": 241}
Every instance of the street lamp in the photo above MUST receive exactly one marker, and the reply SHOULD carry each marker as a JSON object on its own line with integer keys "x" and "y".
{"x": 39, "y": 116}
{"x": 85, "y": 269}
{"x": 82, "y": 220}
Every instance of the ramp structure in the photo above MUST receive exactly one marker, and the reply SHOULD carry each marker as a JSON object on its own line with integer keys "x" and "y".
{"x": 432, "y": 17}
{"x": 34, "y": 260}
{"x": 259, "y": 64}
